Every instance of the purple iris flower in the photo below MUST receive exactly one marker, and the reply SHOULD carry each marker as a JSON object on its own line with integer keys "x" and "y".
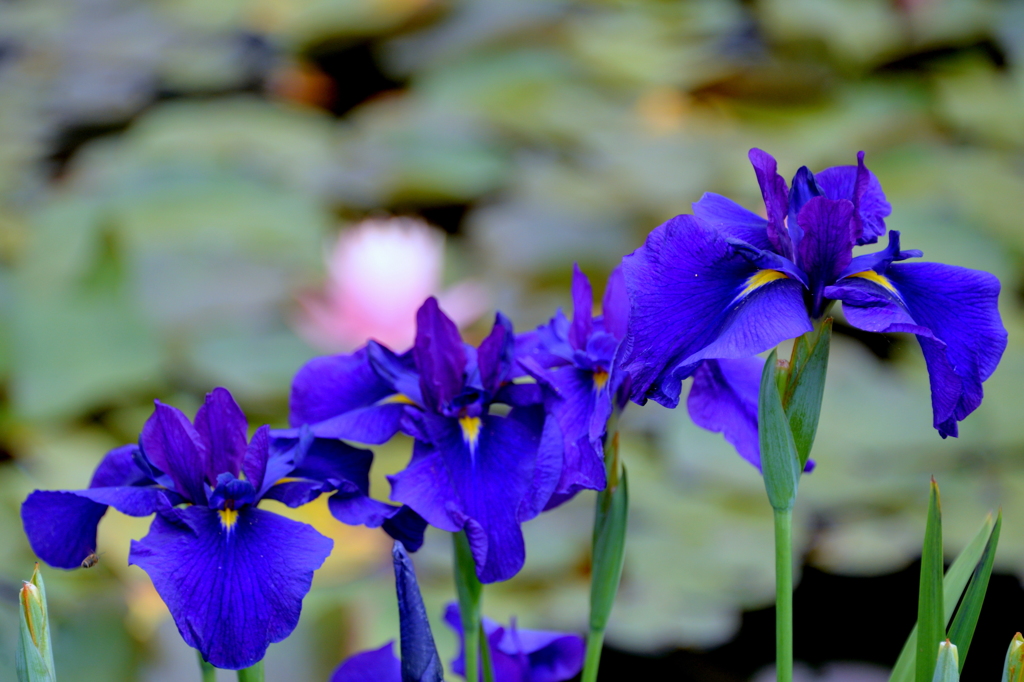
{"x": 342, "y": 396}
{"x": 523, "y": 655}
{"x": 711, "y": 290}
{"x": 419, "y": 662}
{"x": 486, "y": 458}
{"x": 232, "y": 575}
{"x": 575, "y": 361}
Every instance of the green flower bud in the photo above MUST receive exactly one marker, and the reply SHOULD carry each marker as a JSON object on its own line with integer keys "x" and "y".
{"x": 1013, "y": 667}
{"x": 947, "y": 667}
{"x": 35, "y": 655}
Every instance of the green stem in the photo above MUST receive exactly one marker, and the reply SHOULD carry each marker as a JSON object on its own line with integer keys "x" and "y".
{"x": 208, "y": 671}
{"x": 485, "y": 655}
{"x": 469, "y": 590}
{"x": 252, "y": 673}
{"x": 784, "y": 595}
{"x": 595, "y": 641}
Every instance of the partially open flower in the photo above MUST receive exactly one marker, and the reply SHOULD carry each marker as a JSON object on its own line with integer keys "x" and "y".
{"x": 379, "y": 273}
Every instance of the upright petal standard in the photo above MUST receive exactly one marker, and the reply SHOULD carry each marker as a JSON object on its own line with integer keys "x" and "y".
{"x": 232, "y": 575}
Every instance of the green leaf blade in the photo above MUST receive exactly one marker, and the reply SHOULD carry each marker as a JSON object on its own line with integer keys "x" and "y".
{"x": 931, "y": 620}
{"x": 961, "y": 631}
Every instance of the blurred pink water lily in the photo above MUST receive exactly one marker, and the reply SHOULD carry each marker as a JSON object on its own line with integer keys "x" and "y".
{"x": 378, "y": 274}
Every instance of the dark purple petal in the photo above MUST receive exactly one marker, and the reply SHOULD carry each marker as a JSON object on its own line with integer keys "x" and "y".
{"x": 804, "y": 188}
{"x": 407, "y": 527}
{"x": 476, "y": 478}
{"x": 680, "y": 284}
{"x": 960, "y": 306}
{"x": 233, "y": 586}
{"x": 223, "y": 428}
{"x": 522, "y": 655}
{"x": 353, "y": 507}
{"x": 257, "y": 454}
{"x": 582, "y": 309}
{"x": 335, "y": 385}
{"x": 881, "y": 260}
{"x": 420, "y": 662}
{"x": 440, "y": 356}
{"x": 615, "y": 307}
{"x": 378, "y": 665}
{"x": 495, "y": 355}
{"x": 373, "y": 425}
{"x": 723, "y": 399}
{"x": 953, "y": 310}
{"x": 577, "y": 399}
{"x": 732, "y": 220}
{"x": 399, "y": 371}
{"x": 773, "y": 189}
{"x": 859, "y": 185}
{"x": 232, "y": 493}
{"x": 119, "y": 468}
{"x": 548, "y": 465}
{"x": 826, "y": 247}
{"x": 766, "y": 316}
{"x": 172, "y": 444}
{"x": 61, "y": 525}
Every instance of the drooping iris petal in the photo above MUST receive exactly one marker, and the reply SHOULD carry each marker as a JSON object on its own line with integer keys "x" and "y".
{"x": 61, "y": 525}
{"x": 475, "y": 476}
{"x": 615, "y": 305}
{"x": 826, "y": 247}
{"x": 378, "y": 665}
{"x": 522, "y": 655}
{"x": 776, "y": 200}
{"x": 582, "y": 309}
{"x": 960, "y": 308}
{"x": 234, "y": 584}
{"x": 723, "y": 399}
{"x": 223, "y": 428}
{"x": 420, "y": 662}
{"x": 860, "y": 186}
{"x": 732, "y": 220}
{"x": 681, "y": 282}
{"x": 341, "y": 396}
{"x": 172, "y": 443}
{"x": 440, "y": 356}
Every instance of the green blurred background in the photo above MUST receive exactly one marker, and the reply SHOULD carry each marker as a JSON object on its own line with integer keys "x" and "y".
{"x": 173, "y": 174}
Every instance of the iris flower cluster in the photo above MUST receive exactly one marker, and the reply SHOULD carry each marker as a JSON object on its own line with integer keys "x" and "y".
{"x": 518, "y": 424}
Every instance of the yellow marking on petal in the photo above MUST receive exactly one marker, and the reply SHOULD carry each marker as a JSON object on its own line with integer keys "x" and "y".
{"x": 760, "y": 278}
{"x": 470, "y": 430}
{"x": 399, "y": 398}
{"x": 880, "y": 280}
{"x": 228, "y": 518}
{"x": 600, "y": 379}
{"x": 287, "y": 479}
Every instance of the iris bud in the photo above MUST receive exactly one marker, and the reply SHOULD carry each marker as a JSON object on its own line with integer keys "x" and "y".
{"x": 34, "y": 655}
{"x": 1013, "y": 668}
{"x": 947, "y": 667}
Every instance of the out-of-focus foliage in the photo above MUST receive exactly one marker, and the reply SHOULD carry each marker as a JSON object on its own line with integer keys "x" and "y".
{"x": 170, "y": 173}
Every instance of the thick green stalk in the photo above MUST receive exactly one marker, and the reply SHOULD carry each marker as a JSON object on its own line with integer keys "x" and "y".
{"x": 608, "y": 553}
{"x": 252, "y": 673}
{"x": 208, "y": 671}
{"x": 469, "y": 590}
{"x": 784, "y": 595}
{"x": 485, "y": 655}
{"x": 595, "y": 641}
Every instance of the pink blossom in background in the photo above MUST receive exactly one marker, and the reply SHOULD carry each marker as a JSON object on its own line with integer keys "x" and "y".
{"x": 378, "y": 274}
